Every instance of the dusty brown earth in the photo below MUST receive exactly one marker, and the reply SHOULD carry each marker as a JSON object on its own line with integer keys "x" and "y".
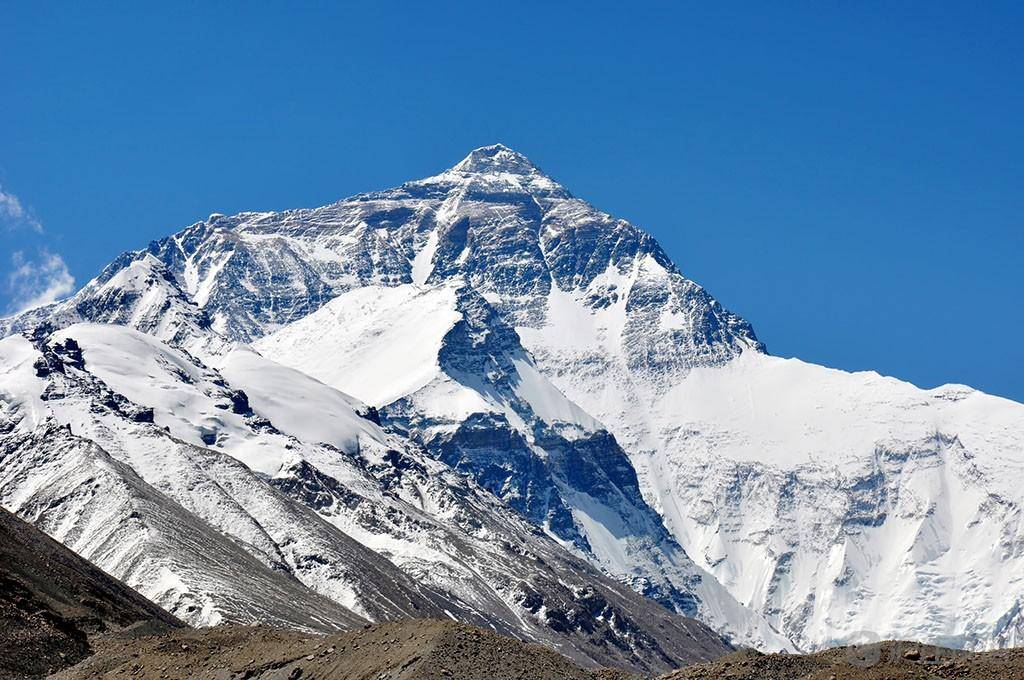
{"x": 881, "y": 661}
{"x": 406, "y": 650}
{"x": 443, "y": 650}
{"x": 52, "y": 601}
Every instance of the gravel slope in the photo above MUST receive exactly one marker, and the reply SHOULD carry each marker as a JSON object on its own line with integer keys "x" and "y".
{"x": 880, "y": 661}
{"x": 424, "y": 649}
{"x": 51, "y": 601}
{"x": 408, "y": 650}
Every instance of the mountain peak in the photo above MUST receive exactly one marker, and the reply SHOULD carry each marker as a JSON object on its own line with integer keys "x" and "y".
{"x": 494, "y": 159}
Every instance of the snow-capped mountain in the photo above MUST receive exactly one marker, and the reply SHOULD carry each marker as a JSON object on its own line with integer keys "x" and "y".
{"x": 559, "y": 359}
{"x": 516, "y": 434}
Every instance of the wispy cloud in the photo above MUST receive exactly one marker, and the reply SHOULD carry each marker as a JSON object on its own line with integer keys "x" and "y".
{"x": 31, "y": 281}
{"x": 14, "y": 215}
{"x": 37, "y": 282}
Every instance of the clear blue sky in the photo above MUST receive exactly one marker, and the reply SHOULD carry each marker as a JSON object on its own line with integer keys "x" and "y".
{"x": 848, "y": 176}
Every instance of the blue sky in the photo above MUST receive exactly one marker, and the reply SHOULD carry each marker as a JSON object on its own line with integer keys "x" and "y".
{"x": 847, "y": 176}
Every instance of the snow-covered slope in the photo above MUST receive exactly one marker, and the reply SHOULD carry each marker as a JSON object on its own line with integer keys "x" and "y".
{"x": 137, "y": 291}
{"x": 161, "y": 470}
{"x": 524, "y": 336}
{"x": 152, "y": 419}
{"x": 443, "y": 369}
{"x": 76, "y": 491}
{"x": 847, "y": 502}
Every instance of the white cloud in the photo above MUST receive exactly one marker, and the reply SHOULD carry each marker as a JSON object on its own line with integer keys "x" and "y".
{"x": 31, "y": 282}
{"x": 13, "y": 214}
{"x": 38, "y": 282}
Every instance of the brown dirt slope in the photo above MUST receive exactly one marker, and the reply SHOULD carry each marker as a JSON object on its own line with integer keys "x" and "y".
{"x": 419, "y": 649}
{"x": 51, "y": 600}
{"x": 881, "y": 661}
{"x": 442, "y": 650}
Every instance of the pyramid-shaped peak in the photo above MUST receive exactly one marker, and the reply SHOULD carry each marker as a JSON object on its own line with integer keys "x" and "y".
{"x": 496, "y": 158}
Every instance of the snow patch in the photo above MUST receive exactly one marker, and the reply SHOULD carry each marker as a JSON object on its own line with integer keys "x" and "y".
{"x": 423, "y": 263}
{"x": 378, "y": 344}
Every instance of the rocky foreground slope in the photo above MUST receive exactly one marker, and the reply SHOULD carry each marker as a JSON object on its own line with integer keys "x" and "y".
{"x": 52, "y": 602}
{"x": 406, "y": 650}
{"x": 879, "y": 661}
{"x": 443, "y": 650}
